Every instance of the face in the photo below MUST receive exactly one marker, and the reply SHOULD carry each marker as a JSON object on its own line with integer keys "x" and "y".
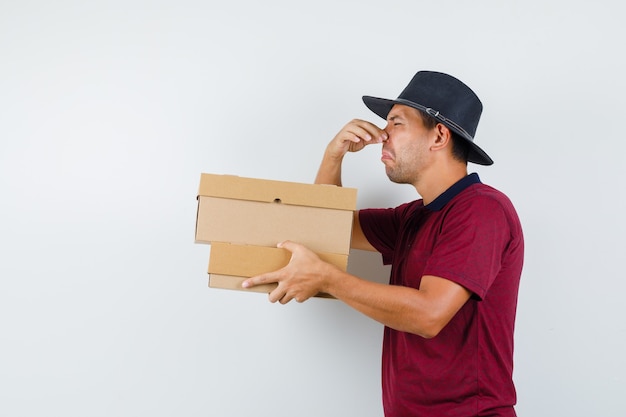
{"x": 405, "y": 153}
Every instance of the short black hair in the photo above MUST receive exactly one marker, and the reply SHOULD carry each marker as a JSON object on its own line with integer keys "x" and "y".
{"x": 460, "y": 147}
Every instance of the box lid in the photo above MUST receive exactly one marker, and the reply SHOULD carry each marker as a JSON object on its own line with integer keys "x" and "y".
{"x": 292, "y": 193}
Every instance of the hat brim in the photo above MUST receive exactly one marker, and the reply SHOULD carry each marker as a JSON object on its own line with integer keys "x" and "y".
{"x": 382, "y": 107}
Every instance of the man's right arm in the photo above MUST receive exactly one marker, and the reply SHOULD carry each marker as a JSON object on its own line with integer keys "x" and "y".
{"x": 352, "y": 138}
{"x": 359, "y": 241}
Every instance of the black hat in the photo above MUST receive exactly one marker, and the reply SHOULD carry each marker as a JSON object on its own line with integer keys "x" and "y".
{"x": 445, "y": 98}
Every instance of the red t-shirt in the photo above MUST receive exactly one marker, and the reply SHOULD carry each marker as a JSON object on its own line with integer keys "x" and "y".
{"x": 470, "y": 235}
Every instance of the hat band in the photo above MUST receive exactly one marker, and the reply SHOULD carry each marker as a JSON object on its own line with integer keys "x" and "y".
{"x": 438, "y": 116}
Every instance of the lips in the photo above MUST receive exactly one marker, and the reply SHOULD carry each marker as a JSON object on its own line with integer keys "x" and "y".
{"x": 386, "y": 156}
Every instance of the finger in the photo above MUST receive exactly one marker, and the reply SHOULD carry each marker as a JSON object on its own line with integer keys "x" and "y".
{"x": 267, "y": 278}
{"x": 367, "y": 131}
{"x": 280, "y": 295}
{"x": 353, "y": 136}
{"x": 301, "y": 298}
{"x": 289, "y": 245}
{"x": 364, "y": 138}
{"x": 358, "y": 134}
{"x": 285, "y": 299}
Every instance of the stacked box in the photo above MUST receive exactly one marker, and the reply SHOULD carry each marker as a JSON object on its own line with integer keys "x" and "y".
{"x": 245, "y": 218}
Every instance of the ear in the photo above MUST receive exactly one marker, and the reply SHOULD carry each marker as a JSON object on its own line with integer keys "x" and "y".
{"x": 444, "y": 137}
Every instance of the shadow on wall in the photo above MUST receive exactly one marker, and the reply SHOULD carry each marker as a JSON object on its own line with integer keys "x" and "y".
{"x": 368, "y": 265}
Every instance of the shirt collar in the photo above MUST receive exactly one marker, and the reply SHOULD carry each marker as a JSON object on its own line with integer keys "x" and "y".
{"x": 443, "y": 198}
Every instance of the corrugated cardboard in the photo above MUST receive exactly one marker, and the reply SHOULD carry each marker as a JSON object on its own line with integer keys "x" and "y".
{"x": 258, "y": 212}
{"x": 230, "y": 265}
{"x": 245, "y": 218}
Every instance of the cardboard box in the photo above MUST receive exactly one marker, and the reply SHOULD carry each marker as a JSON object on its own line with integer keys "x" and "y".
{"x": 257, "y": 214}
{"x": 230, "y": 265}
{"x": 249, "y": 211}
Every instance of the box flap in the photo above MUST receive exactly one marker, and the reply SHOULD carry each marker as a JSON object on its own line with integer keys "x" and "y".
{"x": 248, "y": 260}
{"x": 292, "y": 193}
{"x": 229, "y": 282}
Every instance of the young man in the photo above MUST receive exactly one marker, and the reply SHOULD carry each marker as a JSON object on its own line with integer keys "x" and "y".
{"x": 456, "y": 257}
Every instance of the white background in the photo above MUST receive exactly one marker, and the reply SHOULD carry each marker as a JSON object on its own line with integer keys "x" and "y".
{"x": 110, "y": 110}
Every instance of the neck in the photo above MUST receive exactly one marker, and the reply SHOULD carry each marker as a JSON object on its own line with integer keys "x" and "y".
{"x": 433, "y": 184}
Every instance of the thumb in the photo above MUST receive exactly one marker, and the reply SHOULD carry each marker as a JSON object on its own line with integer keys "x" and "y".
{"x": 289, "y": 245}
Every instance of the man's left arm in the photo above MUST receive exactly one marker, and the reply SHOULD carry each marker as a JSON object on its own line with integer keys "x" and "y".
{"x": 424, "y": 311}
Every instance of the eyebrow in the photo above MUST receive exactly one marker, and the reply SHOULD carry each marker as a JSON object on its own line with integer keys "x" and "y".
{"x": 394, "y": 117}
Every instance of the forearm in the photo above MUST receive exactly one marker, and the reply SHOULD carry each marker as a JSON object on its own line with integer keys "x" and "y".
{"x": 330, "y": 170}
{"x": 424, "y": 311}
{"x": 398, "y": 307}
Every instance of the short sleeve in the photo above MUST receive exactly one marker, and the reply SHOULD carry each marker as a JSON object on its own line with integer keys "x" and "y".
{"x": 381, "y": 227}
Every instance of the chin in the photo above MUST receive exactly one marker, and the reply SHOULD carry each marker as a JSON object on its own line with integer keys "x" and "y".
{"x": 399, "y": 176}
{"x": 398, "y": 179}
